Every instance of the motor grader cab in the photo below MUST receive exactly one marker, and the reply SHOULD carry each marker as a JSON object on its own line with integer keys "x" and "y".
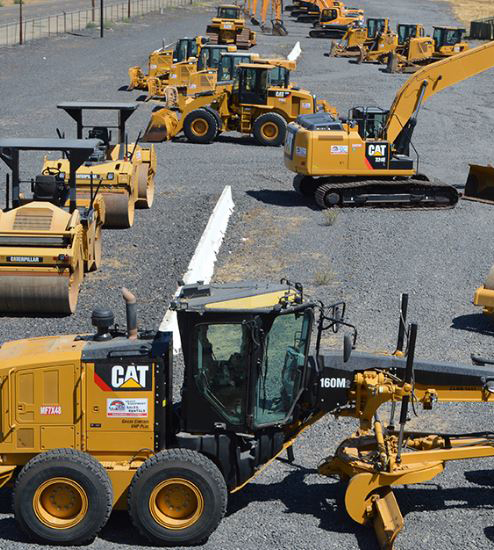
{"x": 160, "y": 61}
{"x": 371, "y": 161}
{"x": 47, "y": 240}
{"x": 448, "y": 41}
{"x": 124, "y": 172}
{"x": 334, "y": 22}
{"x": 260, "y": 102}
{"x": 357, "y": 38}
{"x": 228, "y": 27}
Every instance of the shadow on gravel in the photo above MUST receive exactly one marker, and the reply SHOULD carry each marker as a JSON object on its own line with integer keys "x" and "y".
{"x": 474, "y": 322}
{"x": 281, "y": 198}
{"x": 481, "y": 477}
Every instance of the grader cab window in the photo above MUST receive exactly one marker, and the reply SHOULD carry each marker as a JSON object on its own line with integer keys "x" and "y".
{"x": 222, "y": 366}
{"x": 282, "y": 368}
{"x": 253, "y": 87}
{"x": 228, "y": 13}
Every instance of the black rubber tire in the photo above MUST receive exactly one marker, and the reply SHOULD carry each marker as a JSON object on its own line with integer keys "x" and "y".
{"x": 212, "y": 126}
{"x": 278, "y": 121}
{"x": 77, "y": 466}
{"x": 185, "y": 464}
{"x": 216, "y": 115}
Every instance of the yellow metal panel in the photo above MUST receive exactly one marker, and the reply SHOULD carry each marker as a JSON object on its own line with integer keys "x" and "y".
{"x": 53, "y": 437}
{"x": 252, "y": 302}
{"x": 111, "y": 441}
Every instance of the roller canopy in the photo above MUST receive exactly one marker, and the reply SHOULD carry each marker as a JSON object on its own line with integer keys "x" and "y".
{"x": 50, "y": 144}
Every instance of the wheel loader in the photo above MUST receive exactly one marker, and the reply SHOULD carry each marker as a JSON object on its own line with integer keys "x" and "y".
{"x": 366, "y": 160}
{"x": 334, "y": 22}
{"x": 161, "y": 60}
{"x": 123, "y": 171}
{"x": 357, "y": 40}
{"x": 260, "y": 102}
{"x": 47, "y": 240}
{"x": 89, "y": 423}
{"x": 228, "y": 27}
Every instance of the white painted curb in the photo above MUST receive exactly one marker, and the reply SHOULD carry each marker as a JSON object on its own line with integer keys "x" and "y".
{"x": 201, "y": 266}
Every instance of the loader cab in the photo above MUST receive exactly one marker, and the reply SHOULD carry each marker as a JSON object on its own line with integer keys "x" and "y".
{"x": 375, "y": 27}
{"x": 229, "y": 12}
{"x": 405, "y": 32}
{"x": 210, "y": 56}
{"x": 447, "y": 36}
{"x": 253, "y": 83}
{"x": 371, "y": 121}
{"x": 246, "y": 355}
{"x": 279, "y": 77}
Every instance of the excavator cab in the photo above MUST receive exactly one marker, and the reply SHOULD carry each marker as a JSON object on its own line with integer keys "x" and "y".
{"x": 229, "y": 12}
{"x": 371, "y": 121}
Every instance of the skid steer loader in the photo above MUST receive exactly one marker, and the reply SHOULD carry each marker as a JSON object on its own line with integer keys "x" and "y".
{"x": 89, "y": 422}
{"x": 360, "y": 39}
{"x": 260, "y": 102}
{"x": 334, "y": 22}
{"x": 123, "y": 171}
{"x": 47, "y": 241}
{"x": 369, "y": 161}
{"x": 161, "y": 60}
{"x": 228, "y": 27}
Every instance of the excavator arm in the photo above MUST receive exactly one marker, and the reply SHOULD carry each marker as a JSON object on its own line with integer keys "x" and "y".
{"x": 429, "y": 81}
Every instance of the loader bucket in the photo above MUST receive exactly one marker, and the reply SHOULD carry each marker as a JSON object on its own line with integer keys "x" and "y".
{"x": 480, "y": 183}
{"x": 388, "y": 521}
{"x": 164, "y": 125}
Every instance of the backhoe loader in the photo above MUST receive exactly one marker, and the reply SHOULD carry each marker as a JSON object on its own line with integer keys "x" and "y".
{"x": 47, "y": 241}
{"x": 228, "y": 27}
{"x": 357, "y": 40}
{"x": 124, "y": 172}
{"x": 90, "y": 425}
{"x": 335, "y": 21}
{"x": 260, "y": 102}
{"x": 161, "y": 60}
{"x": 365, "y": 159}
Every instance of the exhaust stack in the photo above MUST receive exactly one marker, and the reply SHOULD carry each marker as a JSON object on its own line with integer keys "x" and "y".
{"x": 131, "y": 308}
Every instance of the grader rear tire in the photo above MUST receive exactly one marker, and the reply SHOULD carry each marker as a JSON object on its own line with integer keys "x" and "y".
{"x": 145, "y": 187}
{"x": 119, "y": 211}
{"x": 61, "y": 497}
{"x": 177, "y": 497}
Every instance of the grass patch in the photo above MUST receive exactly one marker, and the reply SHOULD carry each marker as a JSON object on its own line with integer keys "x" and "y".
{"x": 323, "y": 277}
{"x": 1, "y": 4}
{"x": 330, "y": 216}
{"x": 91, "y": 25}
{"x": 107, "y": 25}
{"x": 17, "y": 2}
{"x": 126, "y": 20}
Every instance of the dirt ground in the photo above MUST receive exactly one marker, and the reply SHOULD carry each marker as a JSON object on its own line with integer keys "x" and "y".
{"x": 470, "y": 10}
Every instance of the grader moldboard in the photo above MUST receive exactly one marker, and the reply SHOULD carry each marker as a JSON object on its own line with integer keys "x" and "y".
{"x": 48, "y": 241}
{"x": 228, "y": 27}
{"x": 124, "y": 172}
{"x": 89, "y": 422}
{"x": 261, "y": 103}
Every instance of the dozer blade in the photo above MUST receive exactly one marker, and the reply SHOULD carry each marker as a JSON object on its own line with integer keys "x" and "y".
{"x": 388, "y": 521}
{"x": 480, "y": 184}
{"x": 164, "y": 125}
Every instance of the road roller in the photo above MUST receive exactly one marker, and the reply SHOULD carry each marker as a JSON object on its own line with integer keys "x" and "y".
{"x": 123, "y": 171}
{"x": 47, "y": 240}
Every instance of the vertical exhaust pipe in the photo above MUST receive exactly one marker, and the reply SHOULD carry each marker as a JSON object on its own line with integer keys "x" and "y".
{"x": 131, "y": 309}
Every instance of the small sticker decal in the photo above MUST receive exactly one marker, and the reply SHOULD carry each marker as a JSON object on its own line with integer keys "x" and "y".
{"x": 50, "y": 410}
{"x": 339, "y": 149}
{"x": 25, "y": 259}
{"x": 153, "y": 66}
{"x": 301, "y": 151}
{"x": 127, "y": 408}
{"x": 306, "y": 105}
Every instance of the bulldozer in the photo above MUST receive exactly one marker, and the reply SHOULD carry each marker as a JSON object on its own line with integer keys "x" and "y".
{"x": 228, "y": 27}
{"x": 90, "y": 423}
{"x": 123, "y": 171}
{"x": 260, "y": 102}
{"x": 160, "y": 61}
{"x": 47, "y": 241}
{"x": 335, "y": 21}
{"x": 357, "y": 40}
{"x": 368, "y": 161}
{"x": 449, "y": 41}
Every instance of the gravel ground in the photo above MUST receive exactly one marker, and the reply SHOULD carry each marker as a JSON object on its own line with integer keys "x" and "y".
{"x": 366, "y": 257}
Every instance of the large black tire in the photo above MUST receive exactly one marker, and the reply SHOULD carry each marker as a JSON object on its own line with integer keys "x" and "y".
{"x": 270, "y": 129}
{"x": 62, "y": 497}
{"x": 177, "y": 497}
{"x": 216, "y": 115}
{"x": 200, "y": 126}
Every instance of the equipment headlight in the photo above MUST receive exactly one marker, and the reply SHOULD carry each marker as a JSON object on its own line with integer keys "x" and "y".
{"x": 110, "y": 176}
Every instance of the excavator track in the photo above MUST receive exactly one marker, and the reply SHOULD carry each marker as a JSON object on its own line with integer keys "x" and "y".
{"x": 327, "y": 33}
{"x": 406, "y": 193}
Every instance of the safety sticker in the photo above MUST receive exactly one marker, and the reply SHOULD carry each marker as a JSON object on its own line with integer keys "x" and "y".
{"x": 50, "y": 410}
{"x": 127, "y": 408}
{"x": 339, "y": 149}
{"x": 153, "y": 66}
{"x": 306, "y": 105}
{"x": 301, "y": 151}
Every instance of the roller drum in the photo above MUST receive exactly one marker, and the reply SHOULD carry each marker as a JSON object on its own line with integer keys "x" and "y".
{"x": 145, "y": 187}
{"x": 119, "y": 211}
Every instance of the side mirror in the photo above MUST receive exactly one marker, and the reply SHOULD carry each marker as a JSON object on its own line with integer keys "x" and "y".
{"x": 347, "y": 347}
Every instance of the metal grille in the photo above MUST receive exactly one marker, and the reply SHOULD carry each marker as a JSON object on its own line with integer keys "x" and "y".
{"x": 38, "y": 219}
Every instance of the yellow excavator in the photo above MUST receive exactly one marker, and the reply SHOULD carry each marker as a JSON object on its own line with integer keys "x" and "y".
{"x": 228, "y": 27}
{"x": 161, "y": 60}
{"x": 90, "y": 425}
{"x": 357, "y": 40}
{"x": 260, "y": 102}
{"x": 335, "y": 21}
{"x": 365, "y": 159}
{"x": 124, "y": 172}
{"x": 47, "y": 240}
{"x": 277, "y": 27}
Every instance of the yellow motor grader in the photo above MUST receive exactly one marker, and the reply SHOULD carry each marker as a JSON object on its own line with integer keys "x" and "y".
{"x": 47, "y": 241}
{"x": 335, "y": 21}
{"x": 228, "y": 27}
{"x": 89, "y": 423}
{"x": 260, "y": 102}
{"x": 161, "y": 60}
{"x": 368, "y": 161}
{"x": 124, "y": 172}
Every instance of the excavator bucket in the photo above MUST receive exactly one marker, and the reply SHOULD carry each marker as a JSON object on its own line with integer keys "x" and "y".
{"x": 164, "y": 125}
{"x": 388, "y": 521}
{"x": 480, "y": 183}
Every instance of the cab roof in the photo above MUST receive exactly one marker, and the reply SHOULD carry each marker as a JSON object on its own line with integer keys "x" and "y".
{"x": 239, "y": 296}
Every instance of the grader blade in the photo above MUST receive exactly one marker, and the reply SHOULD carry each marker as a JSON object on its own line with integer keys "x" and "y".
{"x": 164, "y": 125}
{"x": 388, "y": 521}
